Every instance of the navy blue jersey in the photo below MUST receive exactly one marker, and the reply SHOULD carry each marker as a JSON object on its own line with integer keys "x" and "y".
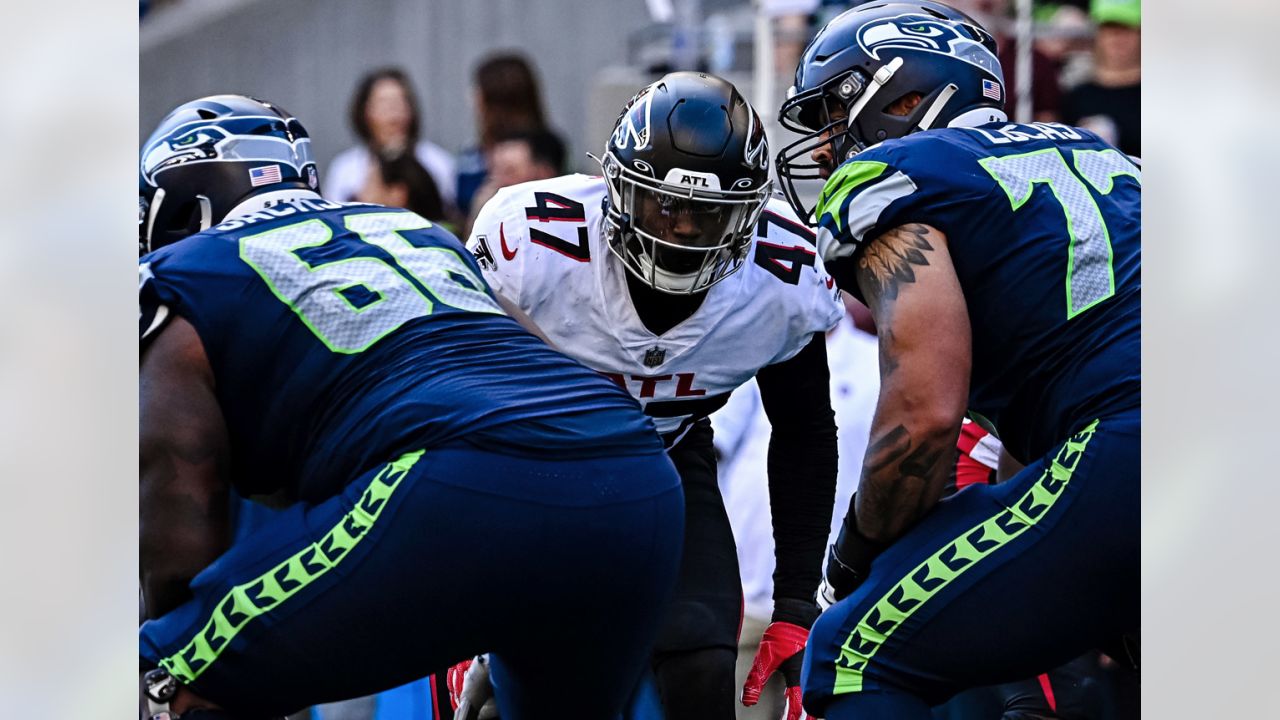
{"x": 1043, "y": 225}
{"x": 343, "y": 335}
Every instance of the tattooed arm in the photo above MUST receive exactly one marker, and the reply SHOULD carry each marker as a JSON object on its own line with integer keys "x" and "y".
{"x": 911, "y": 287}
{"x": 183, "y": 450}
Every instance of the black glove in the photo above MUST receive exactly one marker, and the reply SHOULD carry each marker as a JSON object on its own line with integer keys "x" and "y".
{"x": 848, "y": 561}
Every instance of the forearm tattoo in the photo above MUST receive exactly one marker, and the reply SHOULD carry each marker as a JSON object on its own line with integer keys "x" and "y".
{"x": 901, "y": 477}
{"x": 903, "y": 473}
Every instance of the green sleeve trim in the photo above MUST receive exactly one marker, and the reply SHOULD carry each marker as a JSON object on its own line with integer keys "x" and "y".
{"x": 847, "y": 178}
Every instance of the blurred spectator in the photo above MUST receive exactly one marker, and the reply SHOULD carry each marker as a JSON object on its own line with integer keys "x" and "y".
{"x": 792, "y": 31}
{"x": 1046, "y": 95}
{"x": 524, "y": 157}
{"x": 507, "y": 102}
{"x": 1066, "y": 36}
{"x": 517, "y": 159}
{"x": 146, "y": 6}
{"x": 401, "y": 181}
{"x": 385, "y": 116}
{"x": 1110, "y": 102}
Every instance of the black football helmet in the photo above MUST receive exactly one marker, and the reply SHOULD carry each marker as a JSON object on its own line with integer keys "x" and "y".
{"x": 687, "y": 175}
{"x": 210, "y": 155}
{"x": 867, "y": 58}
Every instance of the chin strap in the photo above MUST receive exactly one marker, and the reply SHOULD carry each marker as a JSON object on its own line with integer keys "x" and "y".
{"x": 936, "y": 108}
{"x": 152, "y": 210}
{"x": 206, "y": 212}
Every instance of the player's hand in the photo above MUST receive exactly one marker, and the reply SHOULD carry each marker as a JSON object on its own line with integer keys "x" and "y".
{"x": 848, "y": 561}
{"x": 782, "y": 648}
{"x": 454, "y": 679}
{"x": 826, "y": 595}
{"x": 470, "y": 691}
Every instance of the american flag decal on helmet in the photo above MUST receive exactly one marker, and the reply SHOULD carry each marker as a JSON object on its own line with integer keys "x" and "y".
{"x": 264, "y": 175}
{"x": 991, "y": 89}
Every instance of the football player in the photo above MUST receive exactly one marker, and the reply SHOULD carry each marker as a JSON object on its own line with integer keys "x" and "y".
{"x": 1001, "y": 263}
{"x": 349, "y": 361}
{"x": 677, "y": 275}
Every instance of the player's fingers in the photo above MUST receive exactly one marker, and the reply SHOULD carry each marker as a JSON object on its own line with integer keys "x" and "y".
{"x": 454, "y": 680}
{"x": 760, "y": 671}
{"x": 793, "y": 709}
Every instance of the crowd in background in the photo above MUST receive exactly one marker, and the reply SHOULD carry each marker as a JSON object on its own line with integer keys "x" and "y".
{"x": 1086, "y": 70}
{"x": 1086, "y": 58}
{"x": 395, "y": 165}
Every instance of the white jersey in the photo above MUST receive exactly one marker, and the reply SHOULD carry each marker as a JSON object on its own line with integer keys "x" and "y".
{"x": 541, "y": 245}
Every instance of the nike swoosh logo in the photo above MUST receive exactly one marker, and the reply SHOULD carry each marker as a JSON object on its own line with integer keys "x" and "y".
{"x": 502, "y": 239}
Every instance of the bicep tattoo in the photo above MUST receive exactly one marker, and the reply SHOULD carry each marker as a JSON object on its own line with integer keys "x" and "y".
{"x": 887, "y": 262}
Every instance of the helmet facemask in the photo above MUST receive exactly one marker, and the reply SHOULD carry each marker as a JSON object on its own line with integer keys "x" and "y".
{"x": 677, "y": 238}
{"x": 813, "y": 115}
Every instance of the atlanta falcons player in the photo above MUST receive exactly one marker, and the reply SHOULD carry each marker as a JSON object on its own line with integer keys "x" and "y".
{"x": 676, "y": 275}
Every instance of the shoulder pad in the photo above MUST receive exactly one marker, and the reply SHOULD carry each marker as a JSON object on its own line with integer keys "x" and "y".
{"x": 874, "y": 183}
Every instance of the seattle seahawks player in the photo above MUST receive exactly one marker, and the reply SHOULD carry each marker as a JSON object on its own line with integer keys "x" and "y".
{"x": 676, "y": 275}
{"x": 349, "y": 360}
{"x": 1001, "y": 263}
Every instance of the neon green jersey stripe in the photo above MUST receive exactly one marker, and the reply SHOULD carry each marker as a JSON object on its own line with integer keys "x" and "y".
{"x": 954, "y": 559}
{"x": 265, "y": 593}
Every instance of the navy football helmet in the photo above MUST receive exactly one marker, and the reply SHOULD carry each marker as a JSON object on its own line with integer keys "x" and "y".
{"x": 210, "y": 155}
{"x": 867, "y": 58}
{"x": 687, "y": 175}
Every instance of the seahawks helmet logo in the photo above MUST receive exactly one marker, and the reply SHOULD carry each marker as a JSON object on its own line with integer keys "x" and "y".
{"x": 925, "y": 33}
{"x": 248, "y": 138}
{"x": 182, "y": 146}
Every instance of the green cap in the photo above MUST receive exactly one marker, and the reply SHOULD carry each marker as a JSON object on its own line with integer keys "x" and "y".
{"x": 1123, "y": 12}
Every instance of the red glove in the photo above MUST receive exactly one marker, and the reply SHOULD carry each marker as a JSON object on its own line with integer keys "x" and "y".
{"x": 470, "y": 691}
{"x": 454, "y": 680}
{"x": 781, "y": 647}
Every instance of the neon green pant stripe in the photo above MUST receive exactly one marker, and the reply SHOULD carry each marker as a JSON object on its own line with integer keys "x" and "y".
{"x": 265, "y": 593}
{"x": 929, "y": 578}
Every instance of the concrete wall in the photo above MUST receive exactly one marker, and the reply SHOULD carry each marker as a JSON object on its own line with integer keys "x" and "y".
{"x": 307, "y": 55}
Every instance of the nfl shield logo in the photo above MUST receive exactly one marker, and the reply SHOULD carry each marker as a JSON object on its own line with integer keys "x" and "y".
{"x": 654, "y": 356}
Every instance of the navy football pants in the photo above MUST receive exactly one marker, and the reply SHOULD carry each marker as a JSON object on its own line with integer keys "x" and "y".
{"x": 561, "y": 569}
{"x": 998, "y": 583}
